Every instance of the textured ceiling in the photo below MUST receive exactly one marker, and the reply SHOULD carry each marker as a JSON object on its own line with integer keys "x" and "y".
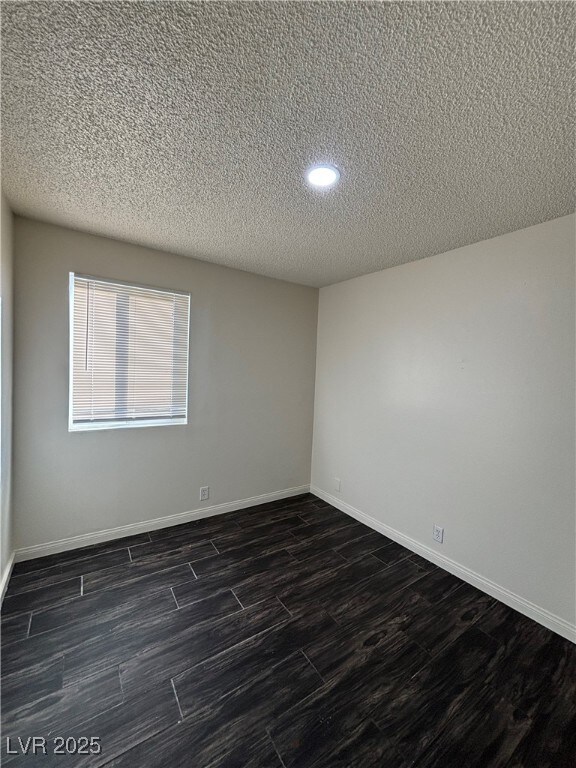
{"x": 188, "y": 126}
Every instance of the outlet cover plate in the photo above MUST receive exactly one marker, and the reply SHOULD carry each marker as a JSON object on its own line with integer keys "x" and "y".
{"x": 438, "y": 533}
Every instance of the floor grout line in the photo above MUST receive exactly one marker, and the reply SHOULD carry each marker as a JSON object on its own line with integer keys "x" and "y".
{"x": 177, "y": 699}
{"x": 284, "y": 606}
{"x": 237, "y": 598}
{"x": 121, "y": 685}
{"x": 334, "y": 619}
{"x": 81, "y": 586}
{"x": 246, "y": 641}
{"x": 275, "y": 749}
{"x": 312, "y": 665}
{"x": 193, "y": 571}
{"x": 174, "y": 596}
{"x": 29, "y": 624}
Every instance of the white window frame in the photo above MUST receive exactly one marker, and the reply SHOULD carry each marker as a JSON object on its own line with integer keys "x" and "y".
{"x": 136, "y": 422}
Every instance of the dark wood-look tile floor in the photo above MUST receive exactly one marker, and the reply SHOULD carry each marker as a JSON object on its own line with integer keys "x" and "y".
{"x": 283, "y": 636}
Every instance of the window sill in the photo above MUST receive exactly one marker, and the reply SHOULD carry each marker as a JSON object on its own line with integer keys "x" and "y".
{"x": 96, "y": 426}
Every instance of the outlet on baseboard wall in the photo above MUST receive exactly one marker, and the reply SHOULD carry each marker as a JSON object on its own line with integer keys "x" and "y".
{"x": 337, "y": 484}
{"x": 205, "y": 493}
{"x": 438, "y": 533}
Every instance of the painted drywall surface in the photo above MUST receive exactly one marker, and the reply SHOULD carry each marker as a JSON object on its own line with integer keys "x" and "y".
{"x": 252, "y": 363}
{"x": 445, "y": 394}
{"x": 6, "y": 262}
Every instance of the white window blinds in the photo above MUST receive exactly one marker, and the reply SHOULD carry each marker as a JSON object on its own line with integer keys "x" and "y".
{"x": 128, "y": 355}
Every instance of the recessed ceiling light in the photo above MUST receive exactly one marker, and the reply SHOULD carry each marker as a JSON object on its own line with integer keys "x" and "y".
{"x": 323, "y": 175}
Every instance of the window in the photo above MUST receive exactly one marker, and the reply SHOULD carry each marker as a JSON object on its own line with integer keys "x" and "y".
{"x": 128, "y": 355}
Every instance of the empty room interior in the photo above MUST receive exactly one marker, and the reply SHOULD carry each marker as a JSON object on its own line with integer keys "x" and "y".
{"x": 288, "y": 384}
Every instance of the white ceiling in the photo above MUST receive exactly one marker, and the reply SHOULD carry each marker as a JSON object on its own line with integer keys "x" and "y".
{"x": 188, "y": 126}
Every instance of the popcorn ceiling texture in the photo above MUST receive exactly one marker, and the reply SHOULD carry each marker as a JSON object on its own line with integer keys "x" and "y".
{"x": 188, "y": 126}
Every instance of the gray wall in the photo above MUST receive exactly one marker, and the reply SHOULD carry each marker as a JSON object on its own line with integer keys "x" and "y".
{"x": 252, "y": 362}
{"x": 6, "y": 386}
{"x": 445, "y": 394}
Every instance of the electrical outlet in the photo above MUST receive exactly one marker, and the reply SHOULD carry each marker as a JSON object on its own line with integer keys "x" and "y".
{"x": 438, "y": 533}
{"x": 205, "y": 493}
{"x": 337, "y": 484}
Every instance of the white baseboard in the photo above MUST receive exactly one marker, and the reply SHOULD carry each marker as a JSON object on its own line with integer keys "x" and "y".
{"x": 5, "y": 578}
{"x": 97, "y": 537}
{"x": 533, "y": 611}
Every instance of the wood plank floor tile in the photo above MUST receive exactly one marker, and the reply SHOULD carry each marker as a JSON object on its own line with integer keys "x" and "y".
{"x": 223, "y": 537}
{"x": 314, "y": 545}
{"x": 249, "y": 519}
{"x": 242, "y": 537}
{"x": 61, "y": 558}
{"x": 97, "y": 562}
{"x": 38, "y": 579}
{"x": 262, "y": 684}
{"x": 370, "y": 542}
{"x": 278, "y": 581}
{"x": 551, "y": 740}
{"x": 269, "y": 513}
{"x": 214, "y": 607}
{"x": 124, "y": 574}
{"x": 331, "y": 589}
{"x": 14, "y": 628}
{"x": 41, "y": 649}
{"x": 391, "y": 553}
{"x": 162, "y": 660}
{"x": 504, "y": 624}
{"x": 236, "y": 718}
{"x": 119, "y": 729}
{"x": 332, "y": 652}
{"x": 205, "y": 683}
{"x": 424, "y": 705}
{"x": 36, "y": 599}
{"x": 35, "y": 579}
{"x": 537, "y": 668}
{"x": 236, "y": 575}
{"x": 438, "y": 626}
{"x": 260, "y": 510}
{"x": 323, "y": 526}
{"x": 306, "y": 733}
{"x": 438, "y": 585}
{"x": 256, "y": 753}
{"x": 30, "y": 653}
{"x": 64, "y": 707}
{"x": 324, "y": 515}
{"x": 111, "y": 606}
{"x": 203, "y": 529}
{"x": 180, "y": 542}
{"x": 132, "y": 637}
{"x": 286, "y": 635}
{"x": 349, "y": 607}
{"x": 485, "y": 733}
{"x": 233, "y": 556}
{"x": 346, "y": 647}
{"x": 426, "y": 565}
{"x": 30, "y": 684}
{"x": 362, "y": 747}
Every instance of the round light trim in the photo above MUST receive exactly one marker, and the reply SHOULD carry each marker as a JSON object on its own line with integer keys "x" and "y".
{"x": 322, "y": 176}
